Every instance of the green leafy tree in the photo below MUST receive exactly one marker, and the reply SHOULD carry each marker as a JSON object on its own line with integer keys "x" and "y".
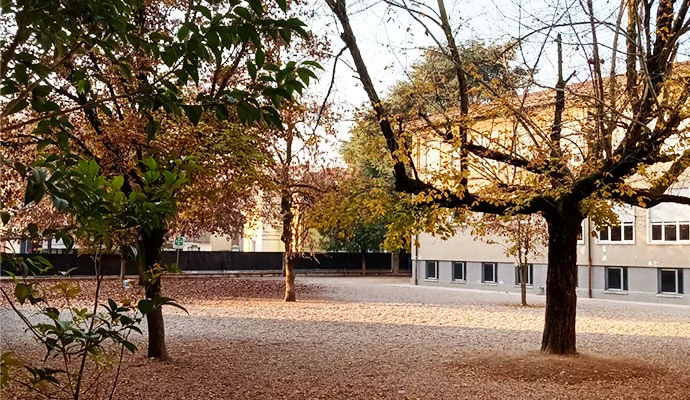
{"x": 104, "y": 78}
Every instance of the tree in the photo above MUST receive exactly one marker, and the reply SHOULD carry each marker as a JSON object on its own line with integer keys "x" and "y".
{"x": 298, "y": 179}
{"x": 522, "y": 237}
{"x": 109, "y": 79}
{"x": 633, "y": 121}
{"x": 366, "y": 213}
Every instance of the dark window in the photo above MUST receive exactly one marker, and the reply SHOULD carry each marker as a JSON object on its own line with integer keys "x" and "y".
{"x": 431, "y": 270}
{"x": 579, "y": 233}
{"x": 628, "y": 232}
{"x": 671, "y": 281}
{"x": 530, "y": 275}
{"x": 604, "y": 234}
{"x": 616, "y": 278}
{"x": 489, "y": 272}
{"x": 670, "y": 232}
{"x": 459, "y": 271}
{"x": 684, "y": 231}
{"x": 617, "y": 233}
{"x": 656, "y": 232}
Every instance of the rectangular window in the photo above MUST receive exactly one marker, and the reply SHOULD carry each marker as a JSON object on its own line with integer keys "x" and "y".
{"x": 604, "y": 235}
{"x": 489, "y": 272}
{"x": 670, "y": 281}
{"x": 459, "y": 271}
{"x": 616, "y": 278}
{"x": 431, "y": 271}
{"x": 684, "y": 231}
{"x": 623, "y": 233}
{"x": 670, "y": 231}
{"x": 628, "y": 233}
{"x": 670, "y": 222}
{"x": 530, "y": 275}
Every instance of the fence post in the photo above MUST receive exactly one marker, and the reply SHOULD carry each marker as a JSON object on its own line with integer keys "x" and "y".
{"x": 395, "y": 262}
{"x": 364, "y": 264}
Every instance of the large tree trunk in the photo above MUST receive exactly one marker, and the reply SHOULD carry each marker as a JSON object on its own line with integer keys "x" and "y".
{"x": 156, "y": 326}
{"x": 561, "y": 299}
{"x": 150, "y": 245}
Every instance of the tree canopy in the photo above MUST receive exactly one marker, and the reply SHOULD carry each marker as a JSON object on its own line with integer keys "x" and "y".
{"x": 617, "y": 135}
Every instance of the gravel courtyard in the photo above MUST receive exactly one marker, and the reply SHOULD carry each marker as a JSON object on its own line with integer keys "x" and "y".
{"x": 381, "y": 338}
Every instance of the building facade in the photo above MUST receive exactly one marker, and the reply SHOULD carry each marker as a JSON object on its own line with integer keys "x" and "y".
{"x": 644, "y": 258}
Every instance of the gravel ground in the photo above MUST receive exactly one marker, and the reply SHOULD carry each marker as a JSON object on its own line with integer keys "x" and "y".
{"x": 370, "y": 338}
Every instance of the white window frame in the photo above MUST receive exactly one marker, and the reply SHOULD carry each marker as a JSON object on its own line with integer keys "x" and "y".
{"x": 682, "y": 220}
{"x": 464, "y": 272}
{"x": 651, "y": 240}
{"x": 426, "y": 271}
{"x": 623, "y": 275}
{"x": 495, "y": 281}
{"x": 530, "y": 275}
{"x": 622, "y": 225}
{"x": 678, "y": 283}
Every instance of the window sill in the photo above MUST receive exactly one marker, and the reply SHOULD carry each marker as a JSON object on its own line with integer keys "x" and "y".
{"x": 489, "y": 284}
{"x": 430, "y": 279}
{"x": 529, "y": 285}
{"x": 459, "y": 281}
{"x": 668, "y": 243}
{"x": 670, "y": 295}
{"x": 614, "y": 291}
{"x": 627, "y": 243}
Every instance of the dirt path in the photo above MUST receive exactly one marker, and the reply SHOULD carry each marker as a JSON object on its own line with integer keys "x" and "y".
{"x": 379, "y": 338}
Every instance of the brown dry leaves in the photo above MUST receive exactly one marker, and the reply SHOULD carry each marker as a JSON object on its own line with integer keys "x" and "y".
{"x": 367, "y": 338}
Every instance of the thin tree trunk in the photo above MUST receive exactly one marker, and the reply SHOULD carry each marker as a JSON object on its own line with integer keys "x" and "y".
{"x": 288, "y": 218}
{"x": 523, "y": 283}
{"x": 561, "y": 299}
{"x": 150, "y": 245}
{"x": 524, "y": 241}
{"x": 123, "y": 263}
{"x": 289, "y": 277}
{"x": 286, "y": 237}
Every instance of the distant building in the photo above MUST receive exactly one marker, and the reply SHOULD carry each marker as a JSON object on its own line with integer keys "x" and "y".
{"x": 644, "y": 258}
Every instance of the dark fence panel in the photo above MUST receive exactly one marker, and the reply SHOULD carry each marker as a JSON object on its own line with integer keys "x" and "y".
{"x": 253, "y": 261}
{"x": 405, "y": 262}
{"x": 378, "y": 261}
{"x": 220, "y": 261}
{"x": 329, "y": 261}
{"x": 79, "y": 264}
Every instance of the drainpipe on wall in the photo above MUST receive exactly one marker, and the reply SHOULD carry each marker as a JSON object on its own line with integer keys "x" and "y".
{"x": 589, "y": 257}
{"x": 416, "y": 236}
{"x": 416, "y": 260}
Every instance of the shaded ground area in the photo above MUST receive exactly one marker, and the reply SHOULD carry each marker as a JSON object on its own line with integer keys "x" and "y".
{"x": 371, "y": 338}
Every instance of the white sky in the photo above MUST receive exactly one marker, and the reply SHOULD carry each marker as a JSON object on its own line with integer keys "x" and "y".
{"x": 391, "y": 42}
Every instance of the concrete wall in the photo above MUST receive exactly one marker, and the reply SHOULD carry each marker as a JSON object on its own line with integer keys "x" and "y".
{"x": 642, "y": 281}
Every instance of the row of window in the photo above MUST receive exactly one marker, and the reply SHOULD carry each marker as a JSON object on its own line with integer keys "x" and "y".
{"x": 660, "y": 232}
{"x": 669, "y": 281}
{"x": 489, "y": 272}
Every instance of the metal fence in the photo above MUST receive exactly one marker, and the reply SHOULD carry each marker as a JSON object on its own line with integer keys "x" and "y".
{"x": 225, "y": 261}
